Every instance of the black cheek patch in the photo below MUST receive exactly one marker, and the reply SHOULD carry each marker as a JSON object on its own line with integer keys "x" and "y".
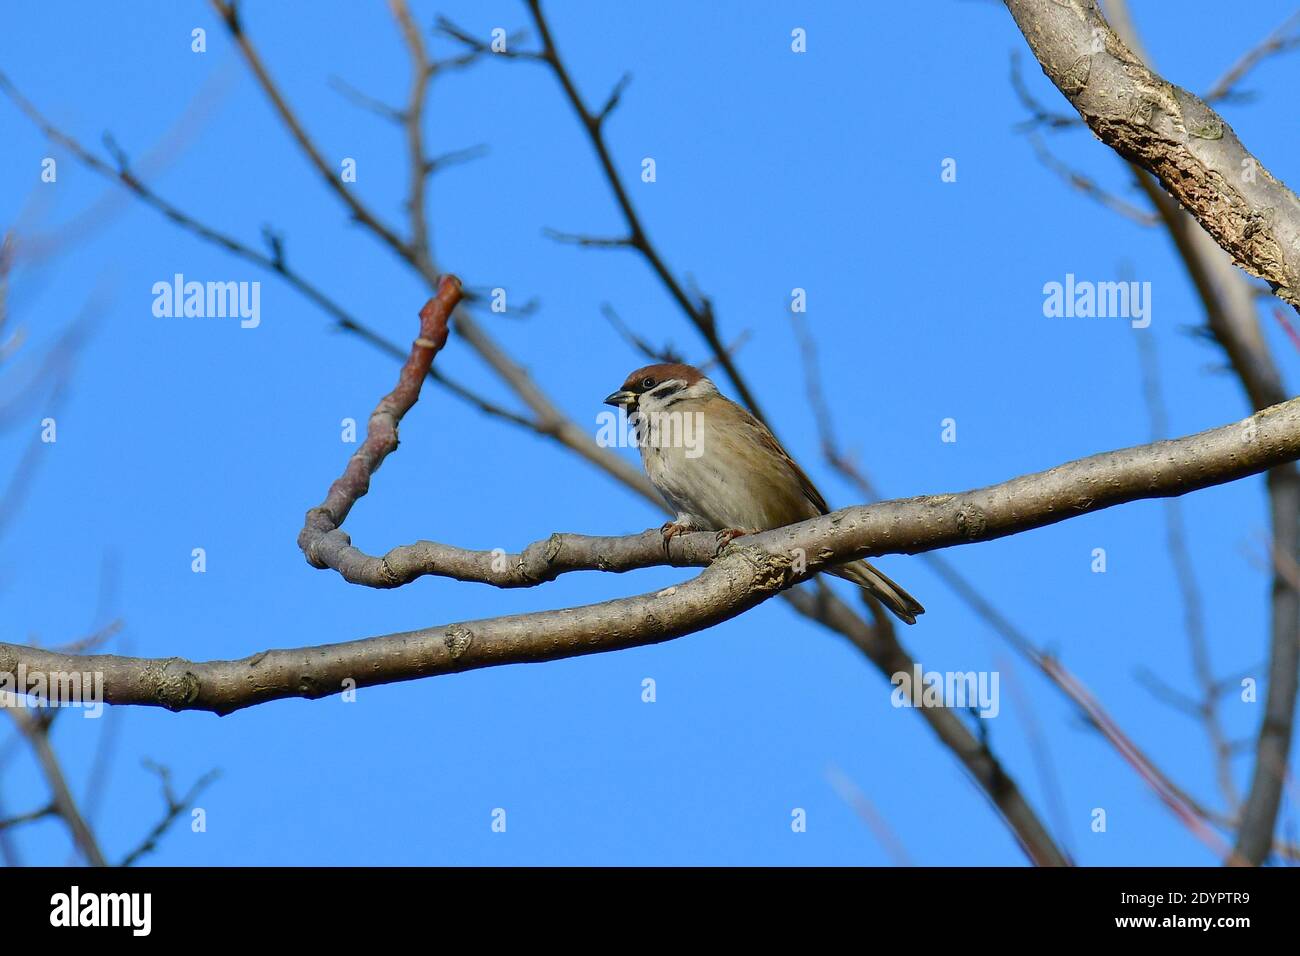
{"x": 663, "y": 391}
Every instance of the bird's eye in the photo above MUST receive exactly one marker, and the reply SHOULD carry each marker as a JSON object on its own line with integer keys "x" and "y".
{"x": 647, "y": 383}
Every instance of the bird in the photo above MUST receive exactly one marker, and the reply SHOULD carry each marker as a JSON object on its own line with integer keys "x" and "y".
{"x": 722, "y": 470}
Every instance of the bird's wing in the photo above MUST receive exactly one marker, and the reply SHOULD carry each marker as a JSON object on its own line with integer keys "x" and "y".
{"x": 765, "y": 437}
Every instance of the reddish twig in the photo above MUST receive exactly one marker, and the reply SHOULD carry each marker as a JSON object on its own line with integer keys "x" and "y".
{"x": 1288, "y": 328}
{"x": 852, "y": 795}
{"x": 381, "y": 433}
{"x": 1172, "y": 796}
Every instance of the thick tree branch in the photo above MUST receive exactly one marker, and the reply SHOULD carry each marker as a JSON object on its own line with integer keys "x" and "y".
{"x": 984, "y": 767}
{"x": 548, "y": 420}
{"x": 748, "y": 571}
{"x": 1171, "y": 133}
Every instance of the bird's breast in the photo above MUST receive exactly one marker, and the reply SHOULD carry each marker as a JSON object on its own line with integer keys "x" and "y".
{"x": 723, "y": 479}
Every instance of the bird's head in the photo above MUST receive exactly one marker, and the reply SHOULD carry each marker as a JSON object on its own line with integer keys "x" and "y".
{"x": 656, "y": 385}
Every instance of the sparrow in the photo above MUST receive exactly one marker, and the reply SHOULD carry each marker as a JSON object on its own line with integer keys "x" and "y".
{"x": 722, "y": 470}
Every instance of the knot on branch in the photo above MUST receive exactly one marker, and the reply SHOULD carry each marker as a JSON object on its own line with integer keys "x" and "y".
{"x": 388, "y": 577}
{"x": 320, "y": 530}
{"x": 536, "y": 563}
{"x": 1076, "y": 77}
{"x": 173, "y": 690}
{"x": 1198, "y": 119}
{"x": 457, "y": 639}
{"x": 769, "y": 571}
{"x": 972, "y": 522}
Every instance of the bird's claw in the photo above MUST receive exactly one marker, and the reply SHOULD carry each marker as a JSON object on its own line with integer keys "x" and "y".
{"x": 728, "y": 535}
{"x": 671, "y": 529}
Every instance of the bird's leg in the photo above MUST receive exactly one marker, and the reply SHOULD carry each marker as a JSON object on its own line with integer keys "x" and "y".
{"x": 671, "y": 529}
{"x": 728, "y": 535}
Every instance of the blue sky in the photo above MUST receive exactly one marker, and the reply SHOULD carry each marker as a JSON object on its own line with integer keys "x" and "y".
{"x": 775, "y": 170}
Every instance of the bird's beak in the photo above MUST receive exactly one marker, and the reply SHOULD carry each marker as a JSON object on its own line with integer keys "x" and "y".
{"x": 621, "y": 398}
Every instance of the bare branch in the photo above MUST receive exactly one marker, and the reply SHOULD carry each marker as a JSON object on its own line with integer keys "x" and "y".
{"x": 594, "y": 242}
{"x": 412, "y": 120}
{"x": 369, "y": 103}
{"x": 92, "y": 640}
{"x": 1281, "y": 40}
{"x": 1045, "y": 662}
{"x": 697, "y": 309}
{"x": 1173, "y": 797}
{"x": 1170, "y": 133}
{"x": 454, "y": 157}
{"x": 36, "y": 731}
{"x": 747, "y": 572}
{"x": 1230, "y": 310}
{"x": 174, "y": 807}
{"x": 381, "y": 432}
{"x": 647, "y": 351}
{"x": 1039, "y": 115}
{"x": 852, "y": 795}
{"x": 49, "y": 810}
{"x": 548, "y": 419}
{"x": 229, "y": 15}
{"x": 553, "y": 423}
{"x": 1089, "y": 187}
{"x": 474, "y": 45}
{"x": 274, "y": 262}
{"x": 879, "y": 643}
{"x": 10, "y": 345}
{"x": 1206, "y": 709}
{"x": 615, "y": 95}
{"x": 1288, "y": 328}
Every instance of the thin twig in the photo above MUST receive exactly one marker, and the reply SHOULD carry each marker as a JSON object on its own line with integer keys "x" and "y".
{"x": 1089, "y": 186}
{"x": 175, "y": 806}
{"x": 852, "y": 795}
{"x": 1230, "y": 312}
{"x": 698, "y": 309}
{"x": 36, "y": 731}
{"x": 1282, "y": 39}
{"x": 1046, "y": 663}
{"x": 1207, "y": 707}
{"x": 646, "y": 350}
{"x": 230, "y": 16}
{"x": 275, "y": 262}
{"x": 31, "y": 816}
{"x": 412, "y": 120}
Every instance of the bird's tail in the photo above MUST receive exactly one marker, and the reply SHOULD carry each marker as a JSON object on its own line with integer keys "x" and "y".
{"x": 900, "y": 603}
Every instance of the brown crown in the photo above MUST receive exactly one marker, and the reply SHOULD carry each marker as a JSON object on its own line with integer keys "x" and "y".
{"x": 662, "y": 372}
